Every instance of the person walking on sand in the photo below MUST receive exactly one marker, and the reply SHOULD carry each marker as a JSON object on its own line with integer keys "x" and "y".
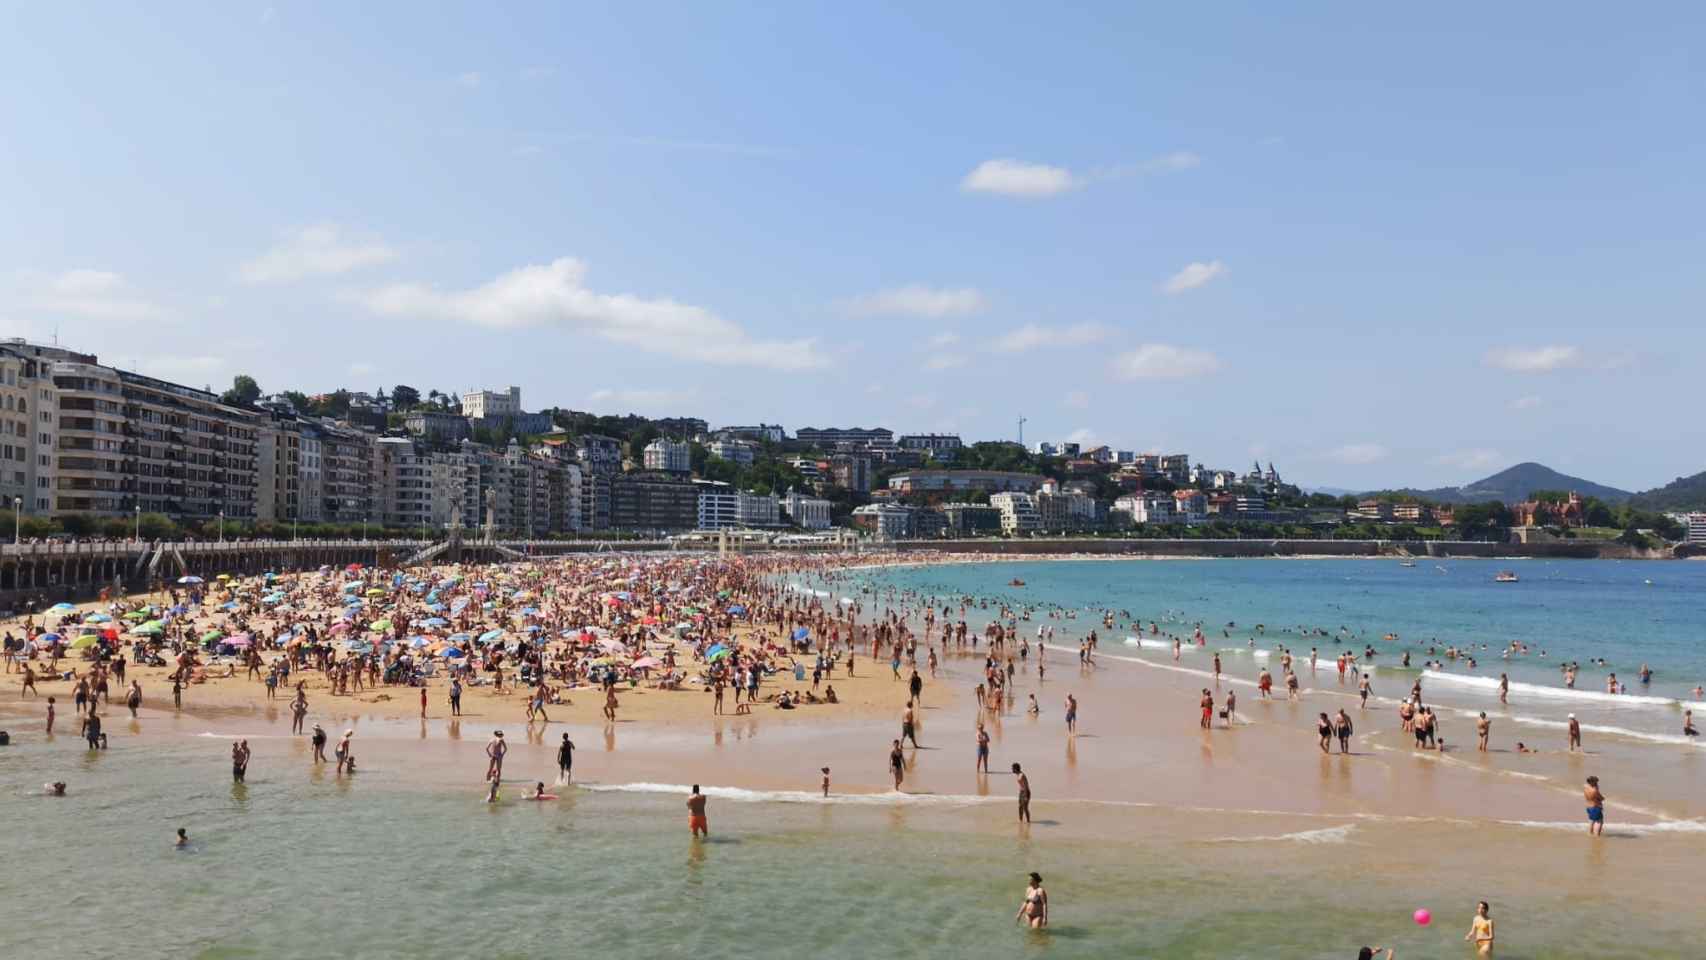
{"x": 1575, "y": 734}
{"x": 897, "y": 764}
{"x": 1342, "y": 728}
{"x": 133, "y": 699}
{"x": 1071, "y": 715}
{"x": 1033, "y": 910}
{"x": 455, "y": 697}
{"x": 495, "y": 751}
{"x": 1481, "y": 929}
{"x": 1324, "y": 730}
{"x": 1504, "y": 688}
{"x": 696, "y": 822}
{"x": 1024, "y": 794}
{"x": 423, "y": 701}
{"x": 915, "y": 686}
{"x": 909, "y": 726}
{"x": 610, "y": 705}
{"x": 1596, "y": 807}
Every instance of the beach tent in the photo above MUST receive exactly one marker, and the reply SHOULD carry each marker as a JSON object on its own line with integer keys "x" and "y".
{"x": 63, "y": 607}
{"x": 99, "y": 618}
{"x": 190, "y": 580}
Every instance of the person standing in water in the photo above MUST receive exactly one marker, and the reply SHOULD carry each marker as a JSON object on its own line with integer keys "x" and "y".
{"x": 1483, "y": 729}
{"x": 239, "y": 761}
{"x": 1481, "y": 929}
{"x": 897, "y": 764}
{"x": 696, "y": 822}
{"x": 1596, "y": 807}
{"x": 495, "y": 751}
{"x": 343, "y": 752}
{"x": 1024, "y": 794}
{"x": 319, "y": 742}
{"x": 1071, "y": 715}
{"x": 565, "y": 759}
{"x": 982, "y": 765}
{"x": 1034, "y": 909}
{"x": 1575, "y": 734}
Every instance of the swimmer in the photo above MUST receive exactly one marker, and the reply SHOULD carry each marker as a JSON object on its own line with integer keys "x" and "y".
{"x": 1481, "y": 929}
{"x": 696, "y": 822}
{"x": 183, "y": 839}
{"x": 1034, "y": 909}
{"x": 54, "y": 789}
{"x": 1596, "y": 807}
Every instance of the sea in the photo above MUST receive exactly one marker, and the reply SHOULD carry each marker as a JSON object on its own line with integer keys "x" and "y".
{"x": 300, "y": 863}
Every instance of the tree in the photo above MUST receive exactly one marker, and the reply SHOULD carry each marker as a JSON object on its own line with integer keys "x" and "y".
{"x": 404, "y": 397}
{"x": 243, "y": 393}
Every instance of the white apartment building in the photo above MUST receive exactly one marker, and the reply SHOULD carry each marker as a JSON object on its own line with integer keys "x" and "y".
{"x": 742, "y": 452}
{"x": 478, "y": 404}
{"x": 1146, "y": 508}
{"x": 26, "y": 461}
{"x": 809, "y": 513}
{"x": 311, "y": 489}
{"x": 886, "y": 520}
{"x": 672, "y": 456}
{"x": 405, "y": 483}
{"x": 1018, "y": 511}
{"x": 719, "y": 506}
{"x": 1696, "y": 527}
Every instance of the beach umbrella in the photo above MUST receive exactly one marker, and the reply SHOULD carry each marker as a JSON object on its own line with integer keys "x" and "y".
{"x": 435, "y": 622}
{"x": 353, "y": 568}
{"x": 376, "y": 592}
{"x": 62, "y": 607}
{"x": 418, "y": 642}
{"x": 98, "y": 618}
{"x": 50, "y": 638}
{"x": 240, "y": 640}
{"x": 457, "y": 605}
{"x": 148, "y": 630}
{"x": 454, "y": 652}
{"x": 211, "y": 636}
{"x": 84, "y": 641}
{"x": 490, "y": 635}
{"x": 354, "y": 602}
{"x": 458, "y": 638}
{"x": 190, "y": 580}
{"x": 647, "y": 663}
{"x": 348, "y": 587}
{"x": 719, "y": 653}
{"x": 737, "y": 610}
{"x": 136, "y": 615}
{"x": 381, "y": 626}
{"x": 800, "y": 633}
{"x": 224, "y": 576}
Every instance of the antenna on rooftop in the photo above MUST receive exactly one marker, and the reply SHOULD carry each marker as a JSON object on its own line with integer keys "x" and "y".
{"x": 1021, "y": 429}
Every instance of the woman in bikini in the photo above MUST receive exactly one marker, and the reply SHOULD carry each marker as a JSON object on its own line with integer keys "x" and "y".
{"x": 1034, "y": 909}
{"x": 1481, "y": 930}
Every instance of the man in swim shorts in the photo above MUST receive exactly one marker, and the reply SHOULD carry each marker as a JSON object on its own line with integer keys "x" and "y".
{"x": 696, "y": 822}
{"x": 1596, "y": 807}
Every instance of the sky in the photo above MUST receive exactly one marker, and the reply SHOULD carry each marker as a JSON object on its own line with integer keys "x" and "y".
{"x": 1376, "y": 246}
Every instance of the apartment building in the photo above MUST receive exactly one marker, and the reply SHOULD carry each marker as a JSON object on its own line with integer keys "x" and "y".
{"x": 1018, "y": 511}
{"x": 670, "y": 456}
{"x": 405, "y": 481}
{"x": 809, "y": 513}
{"x": 27, "y": 457}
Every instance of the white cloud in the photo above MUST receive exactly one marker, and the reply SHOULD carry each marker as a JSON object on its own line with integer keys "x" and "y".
{"x": 1078, "y": 399}
{"x": 1171, "y": 162}
{"x": 555, "y": 294}
{"x": 873, "y": 388}
{"x": 362, "y": 368}
{"x": 1543, "y": 359}
{"x": 1194, "y": 275}
{"x": 1031, "y": 336}
{"x": 921, "y": 401}
{"x": 1356, "y": 454}
{"x": 1082, "y": 436}
{"x": 946, "y": 338}
{"x": 321, "y": 250}
{"x": 1160, "y": 361}
{"x": 87, "y": 294}
{"x": 944, "y": 361}
{"x": 1016, "y": 178}
{"x": 917, "y": 300}
{"x": 1527, "y": 403}
{"x": 471, "y": 78}
{"x": 1469, "y": 459}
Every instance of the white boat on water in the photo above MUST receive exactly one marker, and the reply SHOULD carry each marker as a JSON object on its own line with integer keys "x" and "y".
{"x": 1505, "y": 576}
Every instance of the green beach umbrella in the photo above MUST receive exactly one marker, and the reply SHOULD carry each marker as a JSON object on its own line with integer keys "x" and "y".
{"x": 211, "y": 636}
{"x": 380, "y": 626}
{"x": 86, "y": 640}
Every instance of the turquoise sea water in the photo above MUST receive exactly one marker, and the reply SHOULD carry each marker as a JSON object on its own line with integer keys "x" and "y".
{"x": 1628, "y": 613}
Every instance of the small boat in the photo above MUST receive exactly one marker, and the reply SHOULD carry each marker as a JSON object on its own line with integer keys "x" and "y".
{"x": 1015, "y": 582}
{"x": 1505, "y": 576}
{"x": 1406, "y": 562}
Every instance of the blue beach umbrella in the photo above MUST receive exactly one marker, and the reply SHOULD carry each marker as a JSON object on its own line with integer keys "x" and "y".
{"x": 63, "y": 607}
{"x": 737, "y": 610}
{"x": 490, "y": 635}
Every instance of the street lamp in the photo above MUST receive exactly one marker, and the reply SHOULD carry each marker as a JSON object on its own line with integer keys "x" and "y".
{"x": 222, "y": 526}
{"x": 293, "y": 528}
{"x": 364, "y": 529}
{"x": 139, "y": 523}
{"x": 17, "y": 514}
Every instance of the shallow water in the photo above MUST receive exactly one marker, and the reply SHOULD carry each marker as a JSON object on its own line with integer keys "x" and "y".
{"x": 298, "y": 865}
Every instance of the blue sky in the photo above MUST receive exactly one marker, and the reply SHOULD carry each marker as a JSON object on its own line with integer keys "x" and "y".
{"x": 1375, "y": 246}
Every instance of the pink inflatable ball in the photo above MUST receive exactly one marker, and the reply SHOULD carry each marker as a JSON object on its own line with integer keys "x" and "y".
{"x": 1423, "y": 917}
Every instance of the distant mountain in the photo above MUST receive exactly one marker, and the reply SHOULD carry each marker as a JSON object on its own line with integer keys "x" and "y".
{"x": 1515, "y": 484}
{"x": 1683, "y": 493}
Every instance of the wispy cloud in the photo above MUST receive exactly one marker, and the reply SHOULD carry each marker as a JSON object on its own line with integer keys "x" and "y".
{"x": 321, "y": 250}
{"x": 918, "y": 300}
{"x": 631, "y": 400}
{"x": 944, "y": 361}
{"x": 363, "y": 368}
{"x": 1477, "y": 459}
{"x": 1357, "y": 454}
{"x": 1032, "y": 336}
{"x": 1160, "y": 361}
{"x": 470, "y": 78}
{"x": 1527, "y": 403}
{"x": 555, "y": 294}
{"x": 539, "y": 72}
{"x": 1542, "y": 359}
{"x": 1194, "y": 275}
{"x": 88, "y": 295}
{"x": 946, "y": 338}
{"x": 1005, "y": 176}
